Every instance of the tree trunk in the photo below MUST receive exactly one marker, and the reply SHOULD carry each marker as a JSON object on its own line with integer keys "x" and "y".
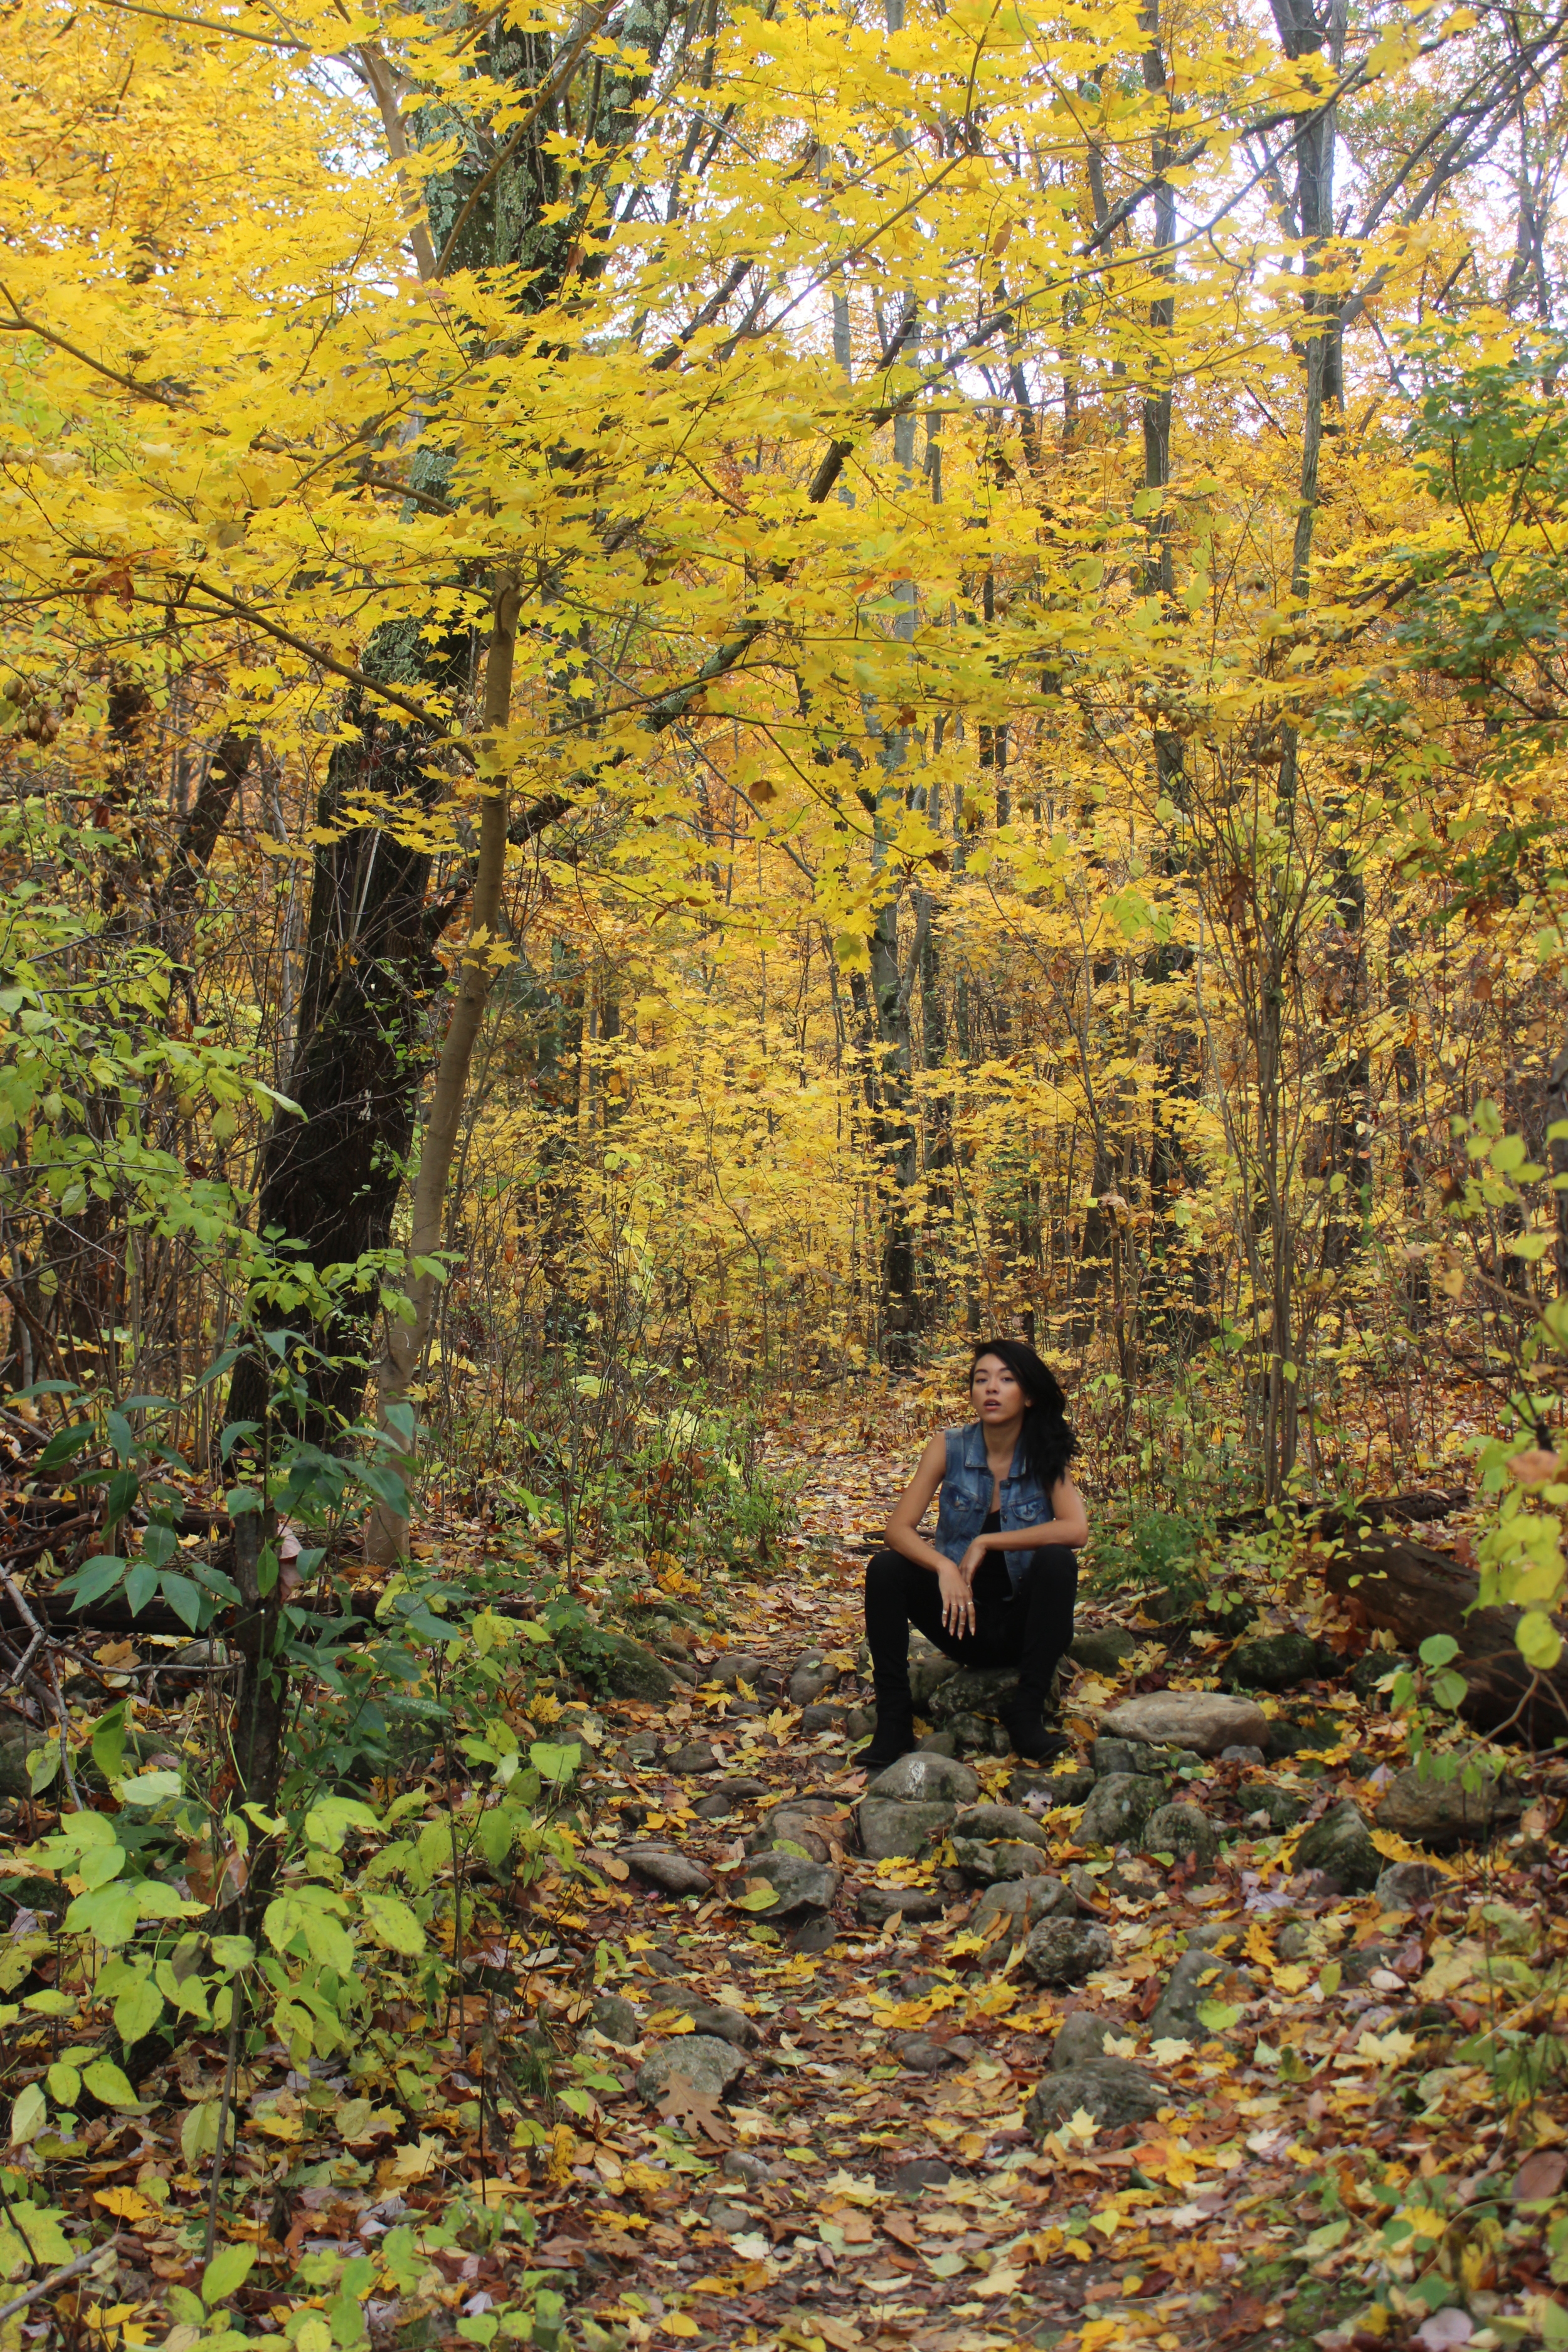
{"x": 329, "y": 1179}
{"x": 1412, "y": 1591}
{"x": 405, "y": 1338}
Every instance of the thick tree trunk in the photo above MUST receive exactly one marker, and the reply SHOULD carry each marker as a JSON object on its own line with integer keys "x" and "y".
{"x": 330, "y": 1179}
{"x": 1412, "y": 1591}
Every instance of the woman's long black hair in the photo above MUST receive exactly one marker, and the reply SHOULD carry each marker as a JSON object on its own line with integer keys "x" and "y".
{"x": 1046, "y": 1443}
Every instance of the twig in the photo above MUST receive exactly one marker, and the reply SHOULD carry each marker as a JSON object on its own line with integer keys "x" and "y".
{"x": 27, "y": 1618}
{"x": 53, "y": 1686}
{"x": 225, "y": 2107}
{"x": 57, "y": 2278}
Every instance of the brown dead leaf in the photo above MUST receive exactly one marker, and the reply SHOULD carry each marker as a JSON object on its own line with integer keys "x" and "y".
{"x": 1540, "y": 2176}
{"x": 682, "y": 2103}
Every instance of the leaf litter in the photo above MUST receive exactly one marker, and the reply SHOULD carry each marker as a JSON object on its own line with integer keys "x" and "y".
{"x": 1360, "y": 2139}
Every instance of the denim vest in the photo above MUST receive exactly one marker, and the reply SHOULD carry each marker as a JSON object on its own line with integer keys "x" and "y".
{"x": 966, "y": 1500}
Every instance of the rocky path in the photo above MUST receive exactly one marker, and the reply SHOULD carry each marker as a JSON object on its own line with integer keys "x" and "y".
{"x": 1185, "y": 2042}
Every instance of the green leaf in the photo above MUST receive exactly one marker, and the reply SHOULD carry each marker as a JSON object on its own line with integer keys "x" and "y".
{"x": 1539, "y": 1642}
{"x": 108, "y": 1740}
{"x": 184, "y": 1598}
{"x": 94, "y": 1579}
{"x": 391, "y": 1922}
{"x": 29, "y": 2111}
{"x": 137, "y": 2011}
{"x": 107, "y": 2082}
{"x": 226, "y": 2274}
{"x": 1437, "y": 1649}
{"x": 64, "y": 1444}
{"x": 1219, "y": 2016}
{"x": 150, "y": 1787}
{"x": 554, "y": 1763}
{"x": 65, "y": 2084}
{"x": 1449, "y": 1690}
{"x": 109, "y": 1913}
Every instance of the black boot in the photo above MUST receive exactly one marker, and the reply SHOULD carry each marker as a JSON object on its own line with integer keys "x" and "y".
{"x": 1024, "y": 1725}
{"x": 895, "y": 1733}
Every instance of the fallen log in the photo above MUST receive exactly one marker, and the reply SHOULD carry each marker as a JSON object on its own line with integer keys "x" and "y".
{"x": 1411, "y": 1592}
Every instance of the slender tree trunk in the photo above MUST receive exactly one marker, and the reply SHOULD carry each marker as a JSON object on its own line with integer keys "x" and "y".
{"x": 406, "y": 1336}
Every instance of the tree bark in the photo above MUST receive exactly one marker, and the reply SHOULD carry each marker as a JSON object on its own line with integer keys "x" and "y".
{"x": 1412, "y": 1591}
{"x": 406, "y": 1336}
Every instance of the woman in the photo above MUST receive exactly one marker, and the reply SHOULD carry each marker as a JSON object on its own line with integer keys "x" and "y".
{"x": 996, "y": 1585}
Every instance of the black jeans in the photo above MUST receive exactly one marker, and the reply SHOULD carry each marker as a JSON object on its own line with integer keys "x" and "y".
{"x": 1029, "y": 1628}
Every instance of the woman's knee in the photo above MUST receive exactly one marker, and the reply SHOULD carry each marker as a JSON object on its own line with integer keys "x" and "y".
{"x": 884, "y": 1575}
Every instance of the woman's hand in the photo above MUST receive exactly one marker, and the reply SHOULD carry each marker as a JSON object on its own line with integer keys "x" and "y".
{"x": 957, "y": 1599}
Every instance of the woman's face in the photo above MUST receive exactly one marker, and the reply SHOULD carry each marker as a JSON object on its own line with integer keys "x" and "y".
{"x": 995, "y": 1391}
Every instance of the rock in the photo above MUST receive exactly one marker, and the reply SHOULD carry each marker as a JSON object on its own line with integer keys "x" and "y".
{"x": 715, "y": 2017}
{"x": 1204, "y": 1720}
{"x": 798, "y": 1885}
{"x": 1181, "y": 1831}
{"x": 1366, "y": 1959}
{"x": 676, "y": 1873}
{"x": 709, "y": 2064}
{"x": 1104, "y": 1649}
{"x": 823, "y": 1717}
{"x": 1253, "y": 1758}
{"x": 1118, "y": 1808}
{"x": 739, "y": 2164}
{"x": 1080, "y": 2040}
{"x": 810, "y": 1679}
{"x": 697, "y": 1757}
{"x": 1403, "y": 1884}
{"x": 973, "y": 1690}
{"x": 888, "y": 1828}
{"x": 985, "y": 1863}
{"x": 977, "y": 1735}
{"x": 1341, "y": 1846}
{"x": 630, "y": 1670}
{"x": 741, "y": 1788}
{"x": 994, "y": 1822}
{"x": 1376, "y": 1667}
{"x": 814, "y": 1932}
{"x": 1025, "y": 1901}
{"x": 925, "y": 2172}
{"x": 877, "y": 1905}
{"x": 928, "y": 1668}
{"x": 1277, "y": 1662}
{"x": 936, "y": 1743}
{"x": 1301, "y": 1736}
{"x": 727, "y": 2220}
{"x": 616, "y": 2018}
{"x": 737, "y": 1666}
{"x": 1057, "y": 1788}
{"x": 1197, "y": 1978}
{"x": 1108, "y": 1756}
{"x": 1278, "y": 1807}
{"x": 16, "y": 1745}
{"x": 1445, "y": 1814}
{"x": 785, "y": 1827}
{"x": 1113, "y": 2090}
{"x": 714, "y": 1808}
{"x": 642, "y": 1747}
{"x": 921, "y": 1779}
{"x": 922, "y": 2055}
{"x": 1212, "y": 1936}
{"x": 1064, "y": 1951}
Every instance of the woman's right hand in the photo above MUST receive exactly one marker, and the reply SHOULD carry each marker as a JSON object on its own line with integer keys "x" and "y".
{"x": 957, "y": 1599}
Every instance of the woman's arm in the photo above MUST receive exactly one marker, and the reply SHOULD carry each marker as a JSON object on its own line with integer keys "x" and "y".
{"x": 904, "y": 1535}
{"x": 903, "y": 1520}
{"x": 1071, "y": 1526}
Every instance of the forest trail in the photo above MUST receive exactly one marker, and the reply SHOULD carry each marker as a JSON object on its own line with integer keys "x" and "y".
{"x": 1328, "y": 2136}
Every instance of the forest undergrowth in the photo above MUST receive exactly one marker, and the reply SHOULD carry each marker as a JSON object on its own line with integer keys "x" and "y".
{"x": 597, "y": 2008}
